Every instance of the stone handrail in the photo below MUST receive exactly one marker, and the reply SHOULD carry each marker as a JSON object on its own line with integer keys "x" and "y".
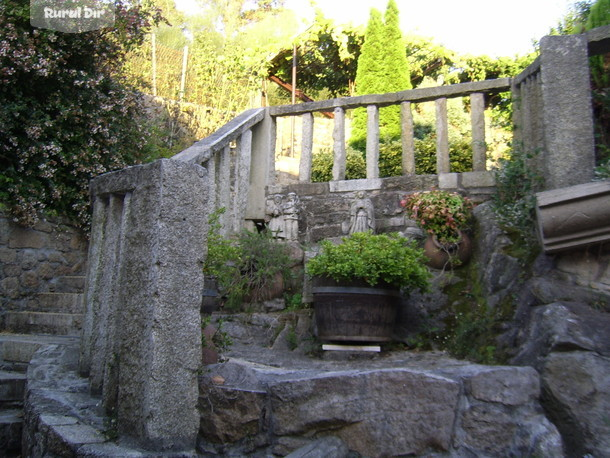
{"x": 141, "y": 345}
{"x": 373, "y": 102}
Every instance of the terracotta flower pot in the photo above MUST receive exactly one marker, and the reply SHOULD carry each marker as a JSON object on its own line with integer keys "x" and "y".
{"x": 441, "y": 256}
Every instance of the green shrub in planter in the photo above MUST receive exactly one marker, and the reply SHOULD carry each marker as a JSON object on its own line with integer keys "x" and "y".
{"x": 375, "y": 259}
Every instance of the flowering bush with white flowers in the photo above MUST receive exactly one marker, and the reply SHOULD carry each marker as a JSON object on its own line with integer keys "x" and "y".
{"x": 65, "y": 113}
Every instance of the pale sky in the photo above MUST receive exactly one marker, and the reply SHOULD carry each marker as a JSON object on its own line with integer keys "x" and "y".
{"x": 492, "y": 27}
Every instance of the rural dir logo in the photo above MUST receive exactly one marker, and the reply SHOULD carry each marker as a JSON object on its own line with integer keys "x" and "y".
{"x": 72, "y": 16}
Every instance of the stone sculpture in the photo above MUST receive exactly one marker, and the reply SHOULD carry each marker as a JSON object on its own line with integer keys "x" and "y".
{"x": 361, "y": 214}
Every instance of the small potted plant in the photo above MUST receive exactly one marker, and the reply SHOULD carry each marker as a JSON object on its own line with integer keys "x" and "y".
{"x": 444, "y": 216}
{"x": 356, "y": 285}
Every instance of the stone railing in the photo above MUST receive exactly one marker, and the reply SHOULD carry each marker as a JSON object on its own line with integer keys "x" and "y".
{"x": 439, "y": 95}
{"x": 553, "y": 116}
{"x": 141, "y": 345}
{"x": 553, "y": 110}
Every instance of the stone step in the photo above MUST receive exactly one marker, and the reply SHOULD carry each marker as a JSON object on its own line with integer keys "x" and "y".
{"x": 12, "y": 386}
{"x": 11, "y": 422}
{"x": 16, "y": 350}
{"x": 67, "y": 324}
{"x": 54, "y": 302}
{"x": 68, "y": 284}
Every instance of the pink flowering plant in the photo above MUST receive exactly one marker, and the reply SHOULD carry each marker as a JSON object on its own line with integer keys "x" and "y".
{"x": 440, "y": 213}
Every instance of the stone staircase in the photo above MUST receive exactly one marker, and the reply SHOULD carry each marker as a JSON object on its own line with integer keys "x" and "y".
{"x": 51, "y": 317}
{"x": 58, "y": 311}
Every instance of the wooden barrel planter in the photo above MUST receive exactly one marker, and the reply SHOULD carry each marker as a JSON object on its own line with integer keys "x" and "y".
{"x": 354, "y": 312}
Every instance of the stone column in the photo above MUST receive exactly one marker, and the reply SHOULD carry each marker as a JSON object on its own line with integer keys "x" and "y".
{"x": 442, "y": 137}
{"x": 307, "y": 149}
{"x": 477, "y": 119}
{"x": 263, "y": 173}
{"x": 372, "y": 142}
{"x": 569, "y": 147}
{"x": 154, "y": 344}
{"x": 408, "y": 140}
{"x": 339, "y": 163}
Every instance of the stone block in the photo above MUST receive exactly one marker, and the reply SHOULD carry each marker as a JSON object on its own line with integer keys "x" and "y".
{"x": 373, "y": 412}
{"x": 448, "y": 181}
{"x": 478, "y": 180}
{"x": 21, "y": 237}
{"x": 221, "y": 423}
{"x": 363, "y": 184}
{"x": 143, "y": 323}
{"x": 577, "y": 387}
{"x": 7, "y": 255}
{"x": 511, "y": 386}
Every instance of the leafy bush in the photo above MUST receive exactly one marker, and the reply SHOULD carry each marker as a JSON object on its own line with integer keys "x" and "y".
{"x": 515, "y": 201}
{"x": 322, "y": 166}
{"x": 65, "y": 115}
{"x": 247, "y": 265}
{"x": 383, "y": 258}
{"x": 439, "y": 213}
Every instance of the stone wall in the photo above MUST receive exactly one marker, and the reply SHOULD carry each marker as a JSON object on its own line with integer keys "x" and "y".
{"x": 33, "y": 260}
{"x": 325, "y": 207}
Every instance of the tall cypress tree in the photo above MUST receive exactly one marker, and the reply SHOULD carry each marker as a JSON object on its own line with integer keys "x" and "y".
{"x": 368, "y": 73}
{"x": 382, "y": 67}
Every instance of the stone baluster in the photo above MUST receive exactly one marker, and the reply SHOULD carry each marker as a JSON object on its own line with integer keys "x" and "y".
{"x": 442, "y": 137}
{"x": 372, "y": 142}
{"x": 242, "y": 180}
{"x": 339, "y": 162}
{"x": 306, "y": 149}
{"x": 224, "y": 186}
{"x": 408, "y": 141}
{"x": 477, "y": 119}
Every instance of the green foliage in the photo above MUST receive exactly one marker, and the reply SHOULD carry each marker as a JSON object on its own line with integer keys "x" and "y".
{"x": 599, "y": 15}
{"x": 65, "y": 112}
{"x": 291, "y": 338}
{"x": 383, "y": 258}
{"x": 439, "y": 213}
{"x": 575, "y": 19}
{"x": 382, "y": 67}
{"x": 246, "y": 266}
{"x": 327, "y": 58}
{"x": 221, "y": 340}
{"x": 322, "y": 166}
{"x": 224, "y": 256}
{"x": 469, "y": 337}
{"x": 514, "y": 201}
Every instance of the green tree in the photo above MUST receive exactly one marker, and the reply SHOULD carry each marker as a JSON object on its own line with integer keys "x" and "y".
{"x": 599, "y": 15}
{"x": 327, "y": 59}
{"x": 382, "y": 67}
{"x": 65, "y": 114}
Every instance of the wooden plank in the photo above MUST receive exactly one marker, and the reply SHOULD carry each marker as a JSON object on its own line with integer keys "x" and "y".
{"x": 333, "y": 347}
